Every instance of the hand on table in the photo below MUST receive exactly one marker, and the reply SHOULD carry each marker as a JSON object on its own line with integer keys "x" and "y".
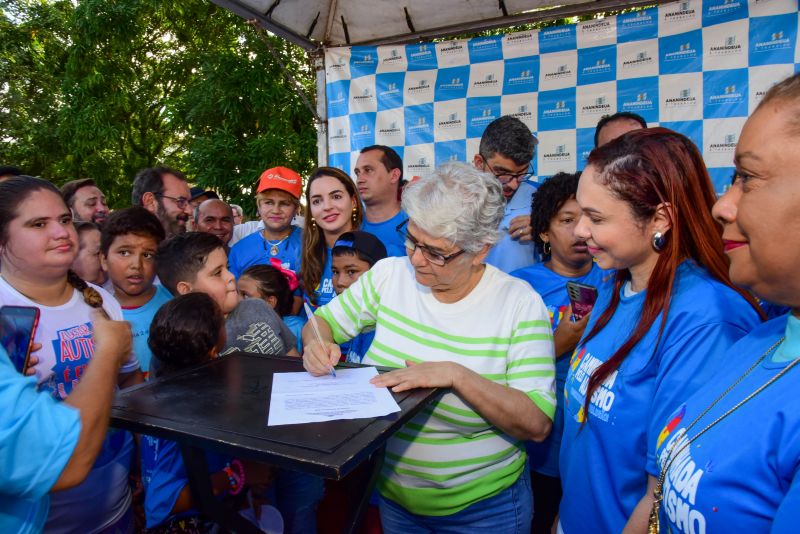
{"x": 320, "y": 359}
{"x": 419, "y": 375}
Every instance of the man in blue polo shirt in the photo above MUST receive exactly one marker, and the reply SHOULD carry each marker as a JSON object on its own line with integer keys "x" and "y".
{"x": 506, "y": 150}
{"x": 379, "y": 178}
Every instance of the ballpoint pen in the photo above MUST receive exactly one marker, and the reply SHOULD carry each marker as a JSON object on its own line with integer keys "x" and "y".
{"x": 313, "y": 321}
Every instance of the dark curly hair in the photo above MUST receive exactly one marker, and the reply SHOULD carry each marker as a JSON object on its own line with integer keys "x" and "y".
{"x": 135, "y": 220}
{"x": 548, "y": 199}
{"x": 184, "y": 331}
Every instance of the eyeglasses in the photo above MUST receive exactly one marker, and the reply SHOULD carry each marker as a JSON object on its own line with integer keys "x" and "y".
{"x": 433, "y": 257}
{"x": 504, "y": 176}
{"x": 181, "y": 202}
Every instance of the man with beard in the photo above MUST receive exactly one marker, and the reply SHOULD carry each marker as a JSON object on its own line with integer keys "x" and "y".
{"x": 165, "y": 193}
{"x": 85, "y": 200}
{"x": 506, "y": 150}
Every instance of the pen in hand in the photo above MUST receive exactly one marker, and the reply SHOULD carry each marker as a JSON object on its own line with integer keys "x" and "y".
{"x": 313, "y": 321}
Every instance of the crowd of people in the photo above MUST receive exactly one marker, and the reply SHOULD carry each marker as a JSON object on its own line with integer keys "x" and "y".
{"x": 669, "y": 404}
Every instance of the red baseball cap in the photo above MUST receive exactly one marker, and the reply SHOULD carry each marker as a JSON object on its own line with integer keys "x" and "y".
{"x": 281, "y": 178}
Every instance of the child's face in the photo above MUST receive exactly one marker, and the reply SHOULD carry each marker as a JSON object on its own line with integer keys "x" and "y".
{"x": 277, "y": 209}
{"x": 87, "y": 263}
{"x": 346, "y": 270}
{"x": 248, "y": 289}
{"x": 217, "y": 281}
{"x": 131, "y": 264}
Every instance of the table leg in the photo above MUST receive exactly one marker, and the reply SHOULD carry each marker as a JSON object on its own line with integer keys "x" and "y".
{"x": 194, "y": 460}
{"x": 357, "y": 514}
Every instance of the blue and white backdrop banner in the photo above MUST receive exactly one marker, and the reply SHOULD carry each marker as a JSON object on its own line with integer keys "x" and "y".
{"x": 695, "y": 66}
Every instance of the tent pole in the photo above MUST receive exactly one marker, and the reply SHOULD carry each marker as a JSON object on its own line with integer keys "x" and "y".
{"x": 318, "y": 59}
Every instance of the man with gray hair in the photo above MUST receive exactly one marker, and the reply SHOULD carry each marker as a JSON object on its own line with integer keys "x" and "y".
{"x": 506, "y": 150}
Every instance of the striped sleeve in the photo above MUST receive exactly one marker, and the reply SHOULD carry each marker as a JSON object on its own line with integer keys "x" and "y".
{"x": 354, "y": 311}
{"x": 531, "y": 361}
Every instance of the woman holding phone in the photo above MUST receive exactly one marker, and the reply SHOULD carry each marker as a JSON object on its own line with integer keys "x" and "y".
{"x": 660, "y": 333}
{"x": 554, "y": 214}
{"x": 38, "y": 244}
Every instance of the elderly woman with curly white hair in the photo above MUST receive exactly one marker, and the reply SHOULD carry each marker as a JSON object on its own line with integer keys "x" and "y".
{"x": 449, "y": 320}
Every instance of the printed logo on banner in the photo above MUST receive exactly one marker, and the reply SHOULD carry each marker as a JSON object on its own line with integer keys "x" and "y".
{"x": 485, "y": 49}
{"x": 338, "y": 94}
{"x": 596, "y": 32}
{"x": 680, "y": 97}
{"x": 681, "y": 53}
{"x": 337, "y": 64}
{"x": 718, "y": 11}
{"x": 639, "y": 96}
{"x": 520, "y": 75}
{"x": 362, "y": 95}
{"x": 419, "y": 86}
{"x": 679, "y": 17}
{"x": 389, "y": 128}
{"x": 520, "y": 44}
{"x": 762, "y": 78}
{"x": 593, "y": 102}
{"x": 725, "y": 46}
{"x": 719, "y": 140}
{"x": 556, "y": 152}
{"x": 362, "y": 130}
{"x": 419, "y": 124}
{"x": 638, "y": 25}
{"x": 557, "y": 39}
{"x": 486, "y": 79}
{"x": 558, "y": 70}
{"x": 557, "y": 109}
{"x": 598, "y": 64}
{"x": 419, "y": 160}
{"x": 339, "y": 134}
{"x": 773, "y": 39}
{"x": 363, "y": 61}
{"x": 522, "y": 107}
{"x": 390, "y": 90}
{"x": 391, "y": 58}
{"x": 421, "y": 56}
{"x": 450, "y": 152}
{"x": 452, "y": 53}
{"x": 725, "y": 93}
{"x": 637, "y": 59}
{"x": 480, "y": 112}
{"x": 451, "y": 83}
{"x": 585, "y": 144}
{"x": 450, "y": 120}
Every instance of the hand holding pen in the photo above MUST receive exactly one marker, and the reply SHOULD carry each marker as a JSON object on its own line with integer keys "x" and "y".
{"x": 318, "y": 361}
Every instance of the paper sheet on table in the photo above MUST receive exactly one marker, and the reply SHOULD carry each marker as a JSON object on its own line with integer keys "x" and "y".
{"x": 303, "y": 398}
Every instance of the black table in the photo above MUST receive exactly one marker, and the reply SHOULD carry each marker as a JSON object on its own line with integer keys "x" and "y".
{"x": 223, "y": 406}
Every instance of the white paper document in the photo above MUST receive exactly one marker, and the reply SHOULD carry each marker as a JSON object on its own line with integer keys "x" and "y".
{"x": 303, "y": 398}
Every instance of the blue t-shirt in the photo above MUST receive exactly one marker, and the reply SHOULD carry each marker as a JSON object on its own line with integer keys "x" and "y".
{"x": 553, "y": 289}
{"x": 296, "y": 324}
{"x": 164, "y": 476}
{"x": 509, "y": 254}
{"x": 38, "y": 435}
{"x": 140, "y": 319}
{"x": 604, "y": 464}
{"x": 324, "y": 292}
{"x": 354, "y": 349}
{"x": 387, "y": 232}
{"x": 254, "y": 250}
{"x": 742, "y": 475}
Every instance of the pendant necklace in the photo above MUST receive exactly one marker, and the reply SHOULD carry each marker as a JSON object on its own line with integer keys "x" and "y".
{"x": 273, "y": 245}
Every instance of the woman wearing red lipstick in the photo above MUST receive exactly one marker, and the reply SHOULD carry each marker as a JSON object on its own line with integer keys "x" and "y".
{"x": 335, "y": 208}
{"x": 38, "y": 243}
{"x": 659, "y": 333}
{"x": 741, "y": 434}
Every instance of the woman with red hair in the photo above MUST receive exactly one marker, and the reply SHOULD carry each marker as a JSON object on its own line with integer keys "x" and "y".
{"x": 657, "y": 335}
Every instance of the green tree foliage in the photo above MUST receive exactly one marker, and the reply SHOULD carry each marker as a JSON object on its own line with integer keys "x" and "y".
{"x": 132, "y": 83}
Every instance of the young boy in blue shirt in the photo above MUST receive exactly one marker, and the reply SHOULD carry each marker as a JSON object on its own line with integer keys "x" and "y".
{"x": 354, "y": 253}
{"x": 128, "y": 245}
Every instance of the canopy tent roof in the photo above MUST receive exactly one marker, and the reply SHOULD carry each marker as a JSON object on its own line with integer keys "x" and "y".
{"x": 325, "y": 23}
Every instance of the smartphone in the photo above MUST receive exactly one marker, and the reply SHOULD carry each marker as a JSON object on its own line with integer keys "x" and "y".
{"x": 17, "y": 328}
{"x": 582, "y": 297}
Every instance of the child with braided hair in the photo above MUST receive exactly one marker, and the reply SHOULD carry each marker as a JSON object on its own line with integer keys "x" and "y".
{"x": 38, "y": 243}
